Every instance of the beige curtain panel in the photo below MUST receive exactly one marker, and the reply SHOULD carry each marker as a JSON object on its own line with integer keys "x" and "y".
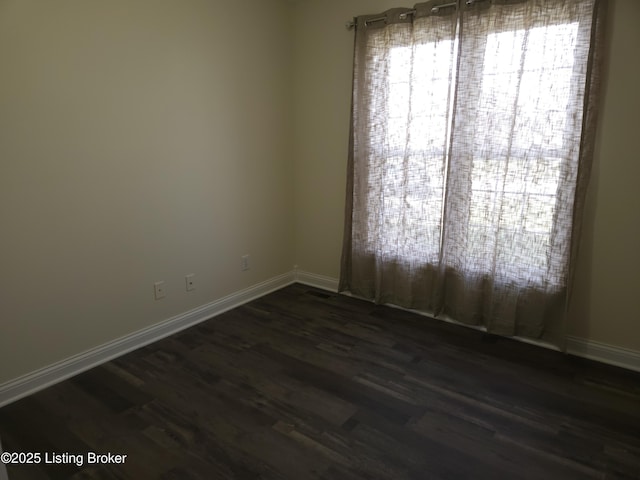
{"x": 471, "y": 143}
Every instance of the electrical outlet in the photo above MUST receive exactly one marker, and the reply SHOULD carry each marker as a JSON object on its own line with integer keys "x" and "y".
{"x": 190, "y": 282}
{"x": 159, "y": 290}
{"x": 244, "y": 264}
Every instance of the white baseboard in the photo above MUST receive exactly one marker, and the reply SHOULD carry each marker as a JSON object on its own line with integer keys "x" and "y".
{"x": 45, "y": 377}
{"x": 315, "y": 280}
{"x": 601, "y": 352}
{"x": 580, "y": 347}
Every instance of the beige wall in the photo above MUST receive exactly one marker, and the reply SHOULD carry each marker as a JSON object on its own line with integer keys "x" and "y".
{"x": 605, "y": 303}
{"x": 139, "y": 141}
{"x": 136, "y": 146}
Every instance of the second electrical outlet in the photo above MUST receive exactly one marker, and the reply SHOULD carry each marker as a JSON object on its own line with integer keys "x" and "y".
{"x": 244, "y": 262}
{"x": 190, "y": 282}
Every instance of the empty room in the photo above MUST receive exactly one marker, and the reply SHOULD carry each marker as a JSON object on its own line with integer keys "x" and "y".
{"x": 319, "y": 239}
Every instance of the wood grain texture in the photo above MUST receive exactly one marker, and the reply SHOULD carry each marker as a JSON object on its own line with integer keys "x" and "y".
{"x": 305, "y": 384}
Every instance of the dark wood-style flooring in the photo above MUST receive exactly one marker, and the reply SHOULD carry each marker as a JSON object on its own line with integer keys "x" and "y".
{"x": 305, "y": 384}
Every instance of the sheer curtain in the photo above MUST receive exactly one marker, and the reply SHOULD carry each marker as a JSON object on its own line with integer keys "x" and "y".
{"x": 472, "y": 135}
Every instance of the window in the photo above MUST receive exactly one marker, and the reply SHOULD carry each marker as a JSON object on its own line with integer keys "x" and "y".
{"x": 414, "y": 148}
{"x": 467, "y": 143}
{"x": 539, "y": 87}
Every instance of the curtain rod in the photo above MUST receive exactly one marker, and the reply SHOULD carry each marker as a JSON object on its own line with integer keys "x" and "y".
{"x": 404, "y": 15}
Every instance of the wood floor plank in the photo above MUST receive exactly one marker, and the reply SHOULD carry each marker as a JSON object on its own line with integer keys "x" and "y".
{"x": 307, "y": 384}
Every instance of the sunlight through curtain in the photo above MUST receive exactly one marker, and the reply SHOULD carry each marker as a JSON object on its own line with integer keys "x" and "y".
{"x": 471, "y": 143}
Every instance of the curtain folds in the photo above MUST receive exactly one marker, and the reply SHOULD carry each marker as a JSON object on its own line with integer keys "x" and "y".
{"x": 470, "y": 149}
